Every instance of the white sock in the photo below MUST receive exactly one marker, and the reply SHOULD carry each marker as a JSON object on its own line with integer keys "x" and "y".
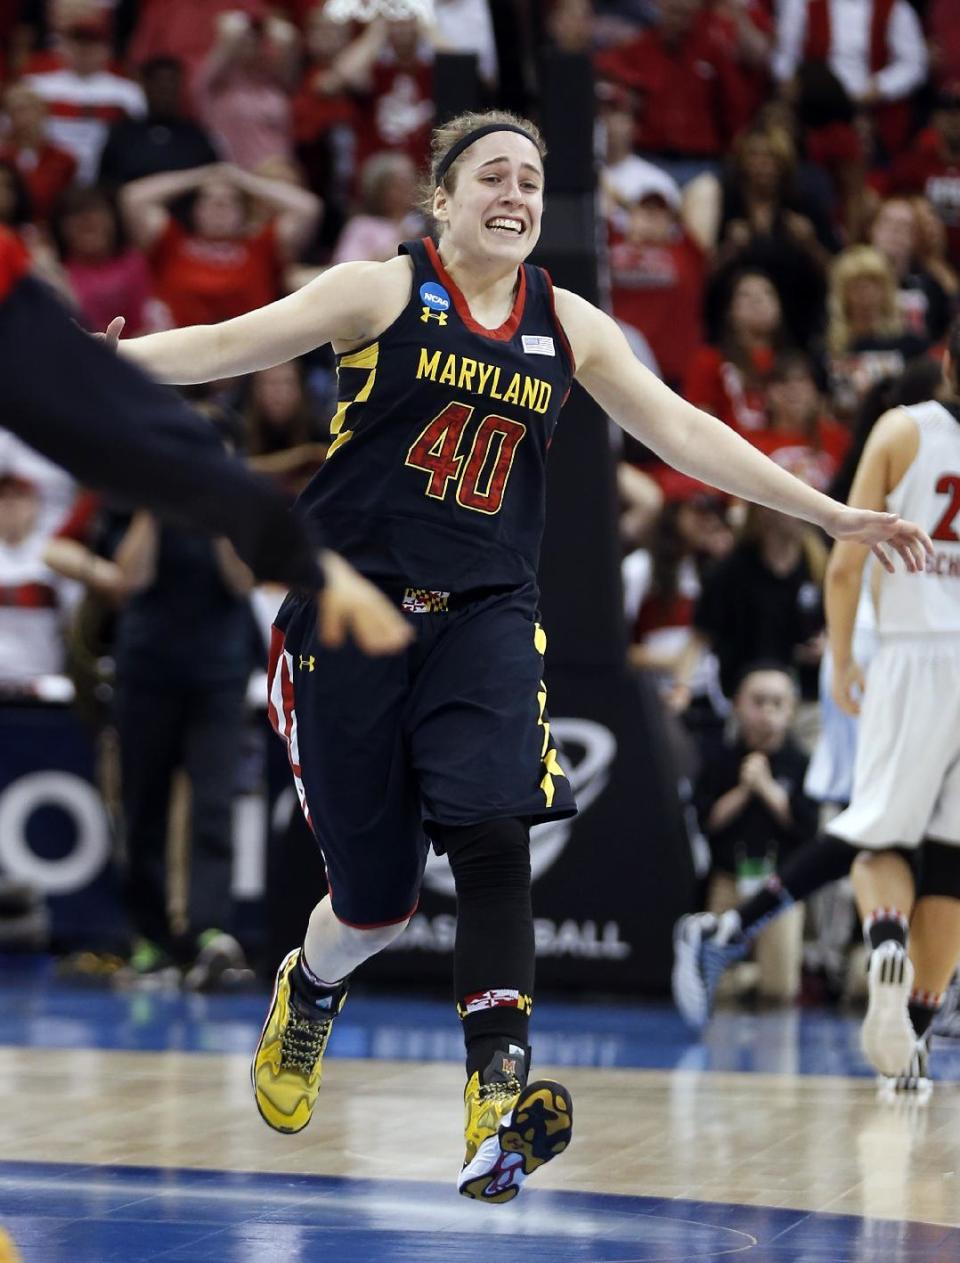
{"x": 331, "y": 950}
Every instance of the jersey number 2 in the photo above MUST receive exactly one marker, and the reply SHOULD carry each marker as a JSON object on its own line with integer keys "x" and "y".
{"x": 948, "y": 485}
{"x": 481, "y": 474}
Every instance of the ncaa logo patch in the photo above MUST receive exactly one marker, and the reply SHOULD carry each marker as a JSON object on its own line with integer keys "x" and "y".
{"x": 436, "y": 302}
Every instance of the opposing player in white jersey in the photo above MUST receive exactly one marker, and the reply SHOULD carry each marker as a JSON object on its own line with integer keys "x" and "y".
{"x": 904, "y": 815}
{"x": 902, "y": 827}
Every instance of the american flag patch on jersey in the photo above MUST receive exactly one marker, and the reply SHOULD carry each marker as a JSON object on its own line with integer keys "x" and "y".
{"x": 424, "y": 601}
{"x": 537, "y": 344}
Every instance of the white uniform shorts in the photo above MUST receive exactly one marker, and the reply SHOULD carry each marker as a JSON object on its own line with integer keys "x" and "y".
{"x": 906, "y": 777}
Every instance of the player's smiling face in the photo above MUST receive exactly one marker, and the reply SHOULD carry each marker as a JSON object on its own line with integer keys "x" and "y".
{"x": 497, "y": 202}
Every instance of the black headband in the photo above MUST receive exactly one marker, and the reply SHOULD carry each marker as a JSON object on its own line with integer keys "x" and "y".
{"x": 454, "y": 152}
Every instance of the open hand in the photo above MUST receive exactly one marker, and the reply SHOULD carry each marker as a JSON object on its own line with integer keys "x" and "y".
{"x": 351, "y": 606}
{"x": 882, "y": 532}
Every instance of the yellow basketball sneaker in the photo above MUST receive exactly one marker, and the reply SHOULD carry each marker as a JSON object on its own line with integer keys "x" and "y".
{"x": 287, "y": 1063}
{"x": 510, "y": 1128}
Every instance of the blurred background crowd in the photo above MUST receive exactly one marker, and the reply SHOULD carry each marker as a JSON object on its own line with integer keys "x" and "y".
{"x": 780, "y": 205}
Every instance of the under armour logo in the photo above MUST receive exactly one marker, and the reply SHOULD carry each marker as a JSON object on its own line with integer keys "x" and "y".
{"x": 307, "y": 664}
{"x": 439, "y": 316}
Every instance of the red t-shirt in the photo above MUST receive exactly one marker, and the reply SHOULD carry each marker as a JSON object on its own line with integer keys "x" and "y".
{"x": 204, "y": 282}
{"x": 926, "y": 169}
{"x": 816, "y": 460}
{"x": 14, "y": 261}
{"x": 717, "y": 386}
{"x": 397, "y": 114}
{"x": 659, "y": 290}
{"x": 693, "y": 95}
{"x": 46, "y": 171}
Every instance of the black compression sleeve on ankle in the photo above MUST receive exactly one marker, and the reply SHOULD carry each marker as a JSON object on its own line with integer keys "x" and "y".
{"x": 493, "y": 959}
{"x": 824, "y": 860}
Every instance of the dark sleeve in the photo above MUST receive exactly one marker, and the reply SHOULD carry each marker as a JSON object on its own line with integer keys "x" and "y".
{"x": 718, "y": 774}
{"x": 90, "y": 411}
{"x": 805, "y": 812}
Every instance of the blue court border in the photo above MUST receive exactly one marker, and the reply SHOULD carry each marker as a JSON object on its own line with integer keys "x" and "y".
{"x": 57, "y": 1213}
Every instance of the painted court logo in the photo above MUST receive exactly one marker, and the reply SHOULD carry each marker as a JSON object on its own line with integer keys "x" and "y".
{"x": 436, "y": 302}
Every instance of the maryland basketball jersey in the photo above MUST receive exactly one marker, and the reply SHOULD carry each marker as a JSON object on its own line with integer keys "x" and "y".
{"x": 928, "y": 494}
{"x": 436, "y": 474}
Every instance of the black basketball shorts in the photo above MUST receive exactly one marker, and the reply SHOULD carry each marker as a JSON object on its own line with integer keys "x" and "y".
{"x": 452, "y": 731}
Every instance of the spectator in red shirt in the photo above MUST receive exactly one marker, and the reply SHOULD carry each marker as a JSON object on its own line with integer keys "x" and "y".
{"x": 799, "y": 436}
{"x": 390, "y": 68}
{"x": 45, "y": 169}
{"x": 244, "y": 85}
{"x": 729, "y": 380}
{"x": 691, "y": 89}
{"x": 217, "y": 268}
{"x": 324, "y": 114}
{"x": 658, "y": 263}
{"x": 107, "y": 278}
{"x": 932, "y": 166}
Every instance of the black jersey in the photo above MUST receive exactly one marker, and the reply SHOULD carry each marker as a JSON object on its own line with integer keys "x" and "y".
{"x": 436, "y": 474}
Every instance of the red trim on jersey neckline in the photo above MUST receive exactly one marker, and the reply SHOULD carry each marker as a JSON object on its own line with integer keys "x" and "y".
{"x": 509, "y": 327}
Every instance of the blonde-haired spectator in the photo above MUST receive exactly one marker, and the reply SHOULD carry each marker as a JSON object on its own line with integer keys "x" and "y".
{"x": 866, "y": 339}
{"x": 924, "y": 304}
{"x": 388, "y": 211}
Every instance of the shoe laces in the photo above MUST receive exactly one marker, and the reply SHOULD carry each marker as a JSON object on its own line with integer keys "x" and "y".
{"x": 303, "y": 1042}
{"x": 500, "y": 1089}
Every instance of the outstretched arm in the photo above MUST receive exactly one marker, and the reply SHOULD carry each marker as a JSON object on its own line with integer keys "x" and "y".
{"x": 350, "y": 303}
{"x": 705, "y": 448}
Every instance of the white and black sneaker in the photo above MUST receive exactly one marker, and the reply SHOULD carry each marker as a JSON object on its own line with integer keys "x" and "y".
{"x": 915, "y": 1080}
{"x": 887, "y": 1036}
{"x": 704, "y": 948}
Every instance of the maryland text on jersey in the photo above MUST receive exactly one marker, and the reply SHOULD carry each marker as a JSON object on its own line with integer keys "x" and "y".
{"x": 479, "y": 378}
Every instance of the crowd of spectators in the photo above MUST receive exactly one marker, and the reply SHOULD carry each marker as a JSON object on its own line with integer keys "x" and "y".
{"x": 779, "y": 189}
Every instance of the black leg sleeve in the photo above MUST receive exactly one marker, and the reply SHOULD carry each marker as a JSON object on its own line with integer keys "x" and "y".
{"x": 494, "y": 951}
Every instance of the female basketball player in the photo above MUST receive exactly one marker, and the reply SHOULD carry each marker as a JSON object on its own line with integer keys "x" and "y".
{"x": 454, "y": 361}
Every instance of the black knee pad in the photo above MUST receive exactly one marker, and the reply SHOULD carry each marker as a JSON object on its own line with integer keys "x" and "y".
{"x": 496, "y": 851}
{"x": 939, "y": 870}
